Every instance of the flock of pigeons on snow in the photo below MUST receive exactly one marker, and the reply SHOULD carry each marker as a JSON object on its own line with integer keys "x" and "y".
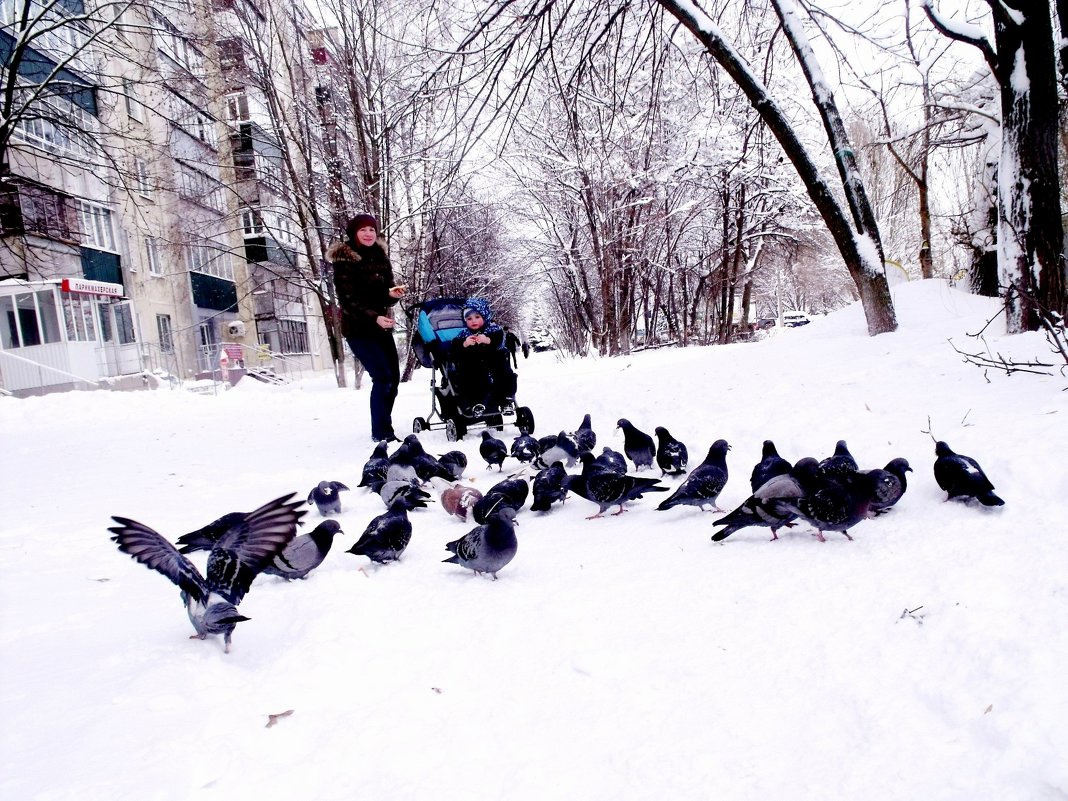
{"x": 830, "y": 495}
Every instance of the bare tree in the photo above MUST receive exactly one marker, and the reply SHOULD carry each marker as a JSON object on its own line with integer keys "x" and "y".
{"x": 853, "y": 228}
{"x": 1032, "y": 265}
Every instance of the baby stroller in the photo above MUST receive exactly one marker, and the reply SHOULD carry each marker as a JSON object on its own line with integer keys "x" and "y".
{"x": 438, "y": 322}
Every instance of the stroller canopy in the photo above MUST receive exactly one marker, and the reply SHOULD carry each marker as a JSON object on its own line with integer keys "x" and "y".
{"x": 438, "y": 322}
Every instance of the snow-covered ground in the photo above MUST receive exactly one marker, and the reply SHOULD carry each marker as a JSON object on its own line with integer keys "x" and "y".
{"x": 627, "y": 657}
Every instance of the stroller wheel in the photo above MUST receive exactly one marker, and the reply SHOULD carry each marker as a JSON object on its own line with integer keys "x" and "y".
{"x": 420, "y": 424}
{"x": 454, "y": 431}
{"x": 524, "y": 420}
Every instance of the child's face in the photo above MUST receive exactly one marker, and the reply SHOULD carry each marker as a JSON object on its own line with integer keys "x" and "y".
{"x": 474, "y": 321}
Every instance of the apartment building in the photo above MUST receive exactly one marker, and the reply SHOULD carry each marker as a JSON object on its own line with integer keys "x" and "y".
{"x": 148, "y": 223}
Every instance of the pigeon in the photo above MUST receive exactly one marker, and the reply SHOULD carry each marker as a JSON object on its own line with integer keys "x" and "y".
{"x": 585, "y": 437}
{"x": 304, "y": 553}
{"x": 890, "y": 484}
{"x": 832, "y": 504}
{"x": 549, "y": 487}
{"x": 458, "y": 500}
{"x": 325, "y": 497}
{"x": 386, "y": 536}
{"x": 962, "y": 477}
{"x": 426, "y": 466}
{"x": 408, "y": 492}
{"x": 769, "y": 466}
{"x": 512, "y": 492}
{"x": 489, "y": 547}
{"x": 762, "y": 508}
{"x": 671, "y": 454}
{"x": 235, "y": 560}
{"x": 374, "y": 471}
{"x": 607, "y": 489}
{"x": 840, "y": 464}
{"x": 525, "y": 448}
{"x": 638, "y": 445}
{"x": 705, "y": 482}
{"x": 402, "y": 465}
{"x": 611, "y": 460}
{"x": 455, "y": 462}
{"x": 204, "y": 539}
{"x": 493, "y": 450}
{"x": 559, "y": 448}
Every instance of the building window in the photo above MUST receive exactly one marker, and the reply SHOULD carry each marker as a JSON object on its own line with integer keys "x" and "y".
{"x": 207, "y": 259}
{"x": 96, "y": 226}
{"x": 198, "y": 186}
{"x": 78, "y": 315}
{"x": 166, "y": 339}
{"x": 237, "y": 107}
{"x": 36, "y": 210}
{"x": 152, "y": 256}
{"x": 124, "y": 327}
{"x": 134, "y": 109}
{"x": 231, "y": 53}
{"x": 28, "y": 319}
{"x": 251, "y": 223}
{"x": 142, "y": 178}
{"x": 58, "y": 126}
{"x": 293, "y": 336}
{"x": 175, "y": 46}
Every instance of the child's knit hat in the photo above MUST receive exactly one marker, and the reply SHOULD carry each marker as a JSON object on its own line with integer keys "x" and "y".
{"x": 477, "y": 306}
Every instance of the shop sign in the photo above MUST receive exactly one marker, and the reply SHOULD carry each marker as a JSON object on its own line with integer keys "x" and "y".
{"x": 87, "y": 287}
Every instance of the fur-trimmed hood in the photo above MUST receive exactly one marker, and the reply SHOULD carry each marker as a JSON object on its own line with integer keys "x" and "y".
{"x": 341, "y": 251}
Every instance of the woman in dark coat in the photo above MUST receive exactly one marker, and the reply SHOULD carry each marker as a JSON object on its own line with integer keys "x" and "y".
{"x": 363, "y": 280}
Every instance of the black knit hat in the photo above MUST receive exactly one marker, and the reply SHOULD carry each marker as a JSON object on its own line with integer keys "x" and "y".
{"x": 358, "y": 222}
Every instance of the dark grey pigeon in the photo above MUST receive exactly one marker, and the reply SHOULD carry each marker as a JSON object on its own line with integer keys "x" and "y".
{"x": 374, "y": 471}
{"x": 559, "y": 448}
{"x": 832, "y": 504}
{"x": 890, "y": 484}
{"x": 512, "y": 492}
{"x": 304, "y": 553}
{"x": 671, "y": 455}
{"x": 962, "y": 477}
{"x": 426, "y": 466}
{"x": 769, "y": 466}
{"x": 235, "y": 560}
{"x": 325, "y": 497}
{"x": 408, "y": 492}
{"x": 611, "y": 460}
{"x": 489, "y": 547}
{"x": 492, "y": 450}
{"x": 840, "y": 464}
{"x": 638, "y": 445}
{"x": 549, "y": 487}
{"x": 585, "y": 437}
{"x": 455, "y": 462}
{"x": 705, "y": 482}
{"x": 763, "y": 507}
{"x": 386, "y": 536}
{"x": 402, "y": 465}
{"x": 607, "y": 489}
{"x": 206, "y": 538}
{"x": 525, "y": 448}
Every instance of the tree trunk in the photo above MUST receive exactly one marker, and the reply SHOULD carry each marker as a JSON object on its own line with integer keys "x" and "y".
{"x": 1030, "y": 229}
{"x": 1031, "y": 262}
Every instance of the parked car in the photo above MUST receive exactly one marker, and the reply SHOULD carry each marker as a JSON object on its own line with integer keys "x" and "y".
{"x": 792, "y": 319}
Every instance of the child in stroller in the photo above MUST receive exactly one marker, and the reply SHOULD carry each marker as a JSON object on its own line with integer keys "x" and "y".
{"x": 480, "y": 358}
{"x": 477, "y": 386}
